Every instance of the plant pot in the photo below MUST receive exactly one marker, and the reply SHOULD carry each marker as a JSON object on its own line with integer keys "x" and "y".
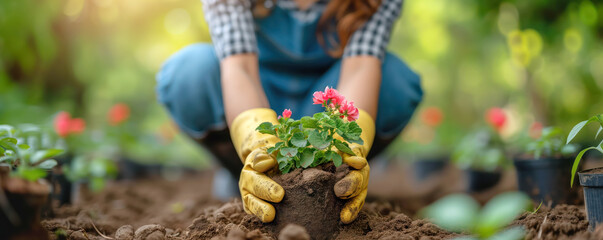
{"x": 423, "y": 169}
{"x": 21, "y": 202}
{"x": 592, "y": 182}
{"x": 479, "y": 180}
{"x": 545, "y": 180}
{"x": 310, "y": 201}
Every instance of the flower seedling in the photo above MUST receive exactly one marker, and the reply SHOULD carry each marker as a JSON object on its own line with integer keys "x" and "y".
{"x": 24, "y": 150}
{"x": 575, "y": 131}
{"x": 312, "y": 141}
{"x": 481, "y": 150}
{"x": 549, "y": 143}
{"x": 460, "y": 213}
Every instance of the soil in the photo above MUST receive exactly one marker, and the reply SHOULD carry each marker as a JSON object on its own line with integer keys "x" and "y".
{"x": 594, "y": 171}
{"x": 561, "y": 222}
{"x": 310, "y": 200}
{"x": 182, "y": 209}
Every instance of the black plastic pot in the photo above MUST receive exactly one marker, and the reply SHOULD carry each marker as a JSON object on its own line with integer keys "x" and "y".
{"x": 423, "y": 169}
{"x": 479, "y": 180}
{"x": 20, "y": 215}
{"x": 545, "y": 180}
{"x": 592, "y": 182}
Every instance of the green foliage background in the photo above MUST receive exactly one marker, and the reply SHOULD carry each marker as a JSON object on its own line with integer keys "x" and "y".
{"x": 539, "y": 60}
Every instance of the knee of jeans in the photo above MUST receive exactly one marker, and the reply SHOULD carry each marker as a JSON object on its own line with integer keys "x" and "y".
{"x": 191, "y": 66}
{"x": 188, "y": 85}
{"x": 400, "y": 95}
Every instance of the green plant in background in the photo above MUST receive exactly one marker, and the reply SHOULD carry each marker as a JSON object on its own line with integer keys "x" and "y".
{"x": 482, "y": 149}
{"x": 597, "y": 118}
{"x": 550, "y": 143}
{"x": 25, "y": 150}
{"x": 308, "y": 142}
{"x": 92, "y": 169}
{"x": 460, "y": 213}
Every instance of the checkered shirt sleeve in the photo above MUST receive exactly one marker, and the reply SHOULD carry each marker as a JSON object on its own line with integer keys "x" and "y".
{"x": 372, "y": 38}
{"x": 231, "y": 26}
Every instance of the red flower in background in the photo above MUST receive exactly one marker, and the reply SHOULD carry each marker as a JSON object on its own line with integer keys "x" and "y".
{"x": 432, "y": 116}
{"x": 497, "y": 118}
{"x": 535, "y": 130}
{"x": 61, "y": 124}
{"x": 287, "y": 113}
{"x": 118, "y": 113}
{"x": 64, "y": 125}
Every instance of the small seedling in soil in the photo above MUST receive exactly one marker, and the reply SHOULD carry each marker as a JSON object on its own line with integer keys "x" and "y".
{"x": 460, "y": 213}
{"x": 481, "y": 150}
{"x": 309, "y": 156}
{"x": 575, "y": 131}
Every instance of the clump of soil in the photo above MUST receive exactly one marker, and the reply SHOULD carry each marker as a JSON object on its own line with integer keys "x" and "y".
{"x": 375, "y": 221}
{"x": 561, "y": 222}
{"x": 310, "y": 200}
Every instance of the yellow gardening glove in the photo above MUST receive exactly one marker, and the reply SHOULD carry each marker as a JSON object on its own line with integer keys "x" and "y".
{"x": 256, "y": 188}
{"x": 354, "y": 185}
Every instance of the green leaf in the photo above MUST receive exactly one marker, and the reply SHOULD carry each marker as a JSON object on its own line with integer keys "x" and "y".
{"x": 31, "y": 174}
{"x": 307, "y": 158}
{"x": 48, "y": 164}
{"x": 299, "y": 139}
{"x": 97, "y": 184}
{"x": 7, "y": 158}
{"x": 319, "y": 140}
{"x": 23, "y": 146}
{"x": 9, "y": 143}
{"x": 577, "y": 162}
{"x": 266, "y": 128}
{"x": 308, "y": 122}
{"x": 599, "y": 131}
{"x": 576, "y": 129}
{"x": 514, "y": 233}
{"x": 41, "y": 155}
{"x": 320, "y": 115}
{"x": 456, "y": 213}
{"x": 344, "y": 147}
{"x": 288, "y": 152}
{"x": 333, "y": 156}
{"x": 280, "y": 158}
{"x": 329, "y": 123}
{"x": 276, "y": 147}
{"x": 500, "y": 212}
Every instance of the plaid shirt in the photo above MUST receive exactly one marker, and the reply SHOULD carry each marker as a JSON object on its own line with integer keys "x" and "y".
{"x": 232, "y": 27}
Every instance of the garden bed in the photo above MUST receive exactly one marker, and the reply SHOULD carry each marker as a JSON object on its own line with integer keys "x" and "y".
{"x": 182, "y": 209}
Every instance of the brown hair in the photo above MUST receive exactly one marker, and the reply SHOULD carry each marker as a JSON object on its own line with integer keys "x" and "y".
{"x": 343, "y": 17}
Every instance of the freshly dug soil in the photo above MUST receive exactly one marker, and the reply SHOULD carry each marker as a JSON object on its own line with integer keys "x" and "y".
{"x": 310, "y": 200}
{"x": 561, "y": 222}
{"x": 375, "y": 221}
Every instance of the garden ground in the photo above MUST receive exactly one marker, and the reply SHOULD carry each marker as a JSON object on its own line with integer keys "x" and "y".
{"x": 155, "y": 208}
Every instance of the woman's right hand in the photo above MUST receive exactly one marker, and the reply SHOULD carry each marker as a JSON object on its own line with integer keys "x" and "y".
{"x": 256, "y": 188}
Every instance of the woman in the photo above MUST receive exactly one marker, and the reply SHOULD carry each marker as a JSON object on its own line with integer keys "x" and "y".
{"x": 272, "y": 55}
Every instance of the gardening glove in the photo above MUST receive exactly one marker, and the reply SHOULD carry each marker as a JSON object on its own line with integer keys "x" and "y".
{"x": 354, "y": 185}
{"x": 256, "y": 188}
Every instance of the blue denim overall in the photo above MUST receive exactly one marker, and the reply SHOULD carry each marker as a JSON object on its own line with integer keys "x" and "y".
{"x": 292, "y": 65}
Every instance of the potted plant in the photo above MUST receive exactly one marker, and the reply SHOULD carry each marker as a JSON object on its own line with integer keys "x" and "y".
{"x": 545, "y": 166}
{"x": 23, "y": 190}
{"x": 590, "y": 179}
{"x": 70, "y": 132}
{"x": 426, "y": 143}
{"x": 482, "y": 153}
{"x": 310, "y": 163}
{"x": 461, "y": 213}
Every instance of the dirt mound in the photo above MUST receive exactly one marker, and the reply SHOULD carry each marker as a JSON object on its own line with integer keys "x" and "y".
{"x": 561, "y": 222}
{"x": 375, "y": 221}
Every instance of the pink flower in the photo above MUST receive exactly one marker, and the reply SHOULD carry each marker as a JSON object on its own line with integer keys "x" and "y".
{"x": 432, "y": 116}
{"x": 61, "y": 124}
{"x": 287, "y": 113}
{"x": 77, "y": 126}
{"x": 496, "y": 117}
{"x": 347, "y": 109}
{"x": 330, "y": 96}
{"x": 64, "y": 125}
{"x": 536, "y": 130}
{"x": 118, "y": 113}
